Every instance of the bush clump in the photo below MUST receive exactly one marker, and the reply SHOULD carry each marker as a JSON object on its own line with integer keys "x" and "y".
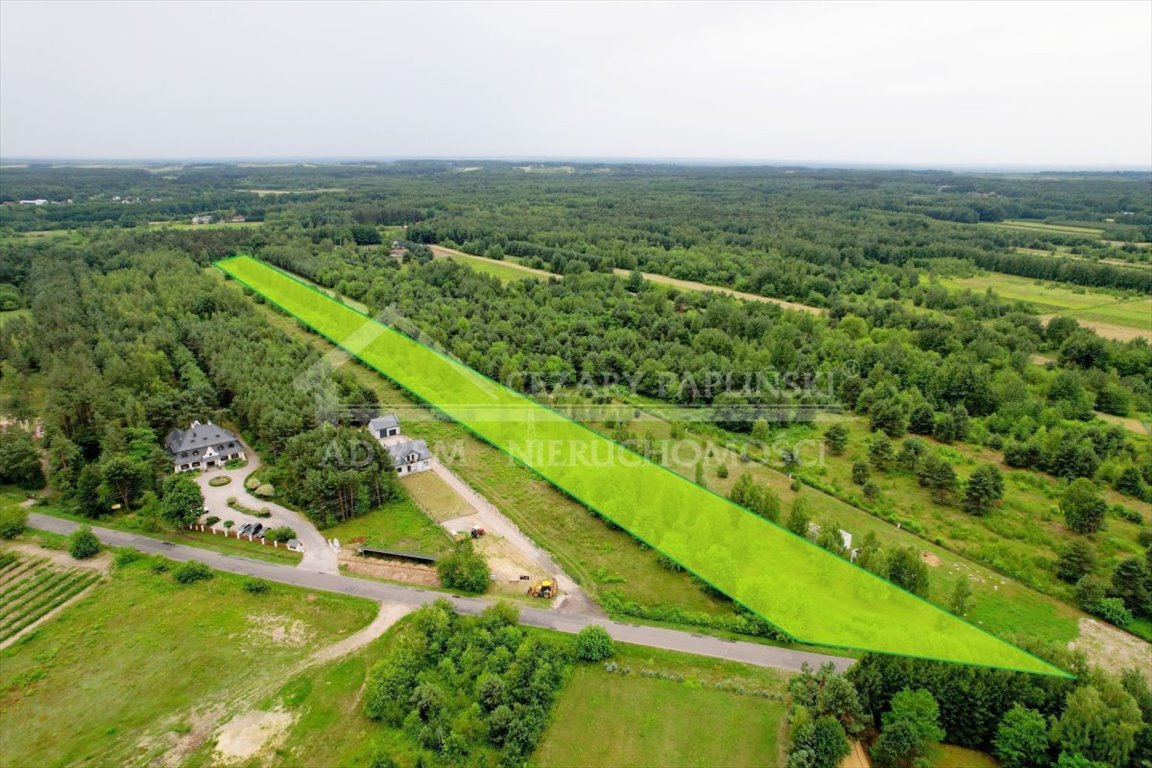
{"x": 192, "y": 572}
{"x": 83, "y": 544}
{"x": 256, "y": 586}
{"x": 594, "y": 644}
{"x": 464, "y": 570}
{"x": 281, "y": 534}
{"x": 211, "y": 520}
{"x": 12, "y": 522}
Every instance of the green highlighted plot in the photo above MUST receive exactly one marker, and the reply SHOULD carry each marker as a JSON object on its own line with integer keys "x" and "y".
{"x": 811, "y": 594}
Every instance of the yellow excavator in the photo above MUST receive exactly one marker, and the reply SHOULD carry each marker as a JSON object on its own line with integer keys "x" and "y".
{"x": 546, "y": 589}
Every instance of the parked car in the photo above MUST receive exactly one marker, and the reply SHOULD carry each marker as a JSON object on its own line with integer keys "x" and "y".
{"x": 246, "y": 529}
{"x": 256, "y": 530}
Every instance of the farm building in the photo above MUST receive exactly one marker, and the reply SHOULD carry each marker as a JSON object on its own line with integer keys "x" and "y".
{"x": 384, "y": 426}
{"x": 202, "y": 446}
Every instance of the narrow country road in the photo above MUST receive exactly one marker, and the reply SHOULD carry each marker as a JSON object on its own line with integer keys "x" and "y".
{"x": 653, "y": 637}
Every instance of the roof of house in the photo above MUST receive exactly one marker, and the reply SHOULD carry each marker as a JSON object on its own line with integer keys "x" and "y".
{"x": 198, "y": 436}
{"x": 399, "y": 451}
{"x": 386, "y": 421}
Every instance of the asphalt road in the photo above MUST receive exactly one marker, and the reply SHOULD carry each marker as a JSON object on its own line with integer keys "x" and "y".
{"x": 652, "y": 637}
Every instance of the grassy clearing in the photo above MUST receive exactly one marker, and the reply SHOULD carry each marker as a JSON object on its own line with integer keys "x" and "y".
{"x": 1043, "y": 226}
{"x": 825, "y": 601}
{"x": 949, "y": 756}
{"x": 1057, "y": 298}
{"x": 612, "y": 719}
{"x": 438, "y": 499}
{"x": 123, "y": 666}
{"x": 399, "y": 525}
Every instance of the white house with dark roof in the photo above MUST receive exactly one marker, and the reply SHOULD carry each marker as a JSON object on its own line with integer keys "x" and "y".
{"x": 408, "y": 455}
{"x": 202, "y": 446}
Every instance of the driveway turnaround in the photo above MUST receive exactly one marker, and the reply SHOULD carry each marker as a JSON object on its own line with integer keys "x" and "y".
{"x": 635, "y": 634}
{"x": 318, "y": 556}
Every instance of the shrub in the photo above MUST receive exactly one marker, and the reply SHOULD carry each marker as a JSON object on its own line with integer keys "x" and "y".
{"x": 12, "y": 522}
{"x": 1113, "y": 611}
{"x": 255, "y": 586}
{"x": 722, "y": 471}
{"x": 159, "y": 565}
{"x": 211, "y": 520}
{"x": 464, "y": 570}
{"x": 281, "y": 534}
{"x": 192, "y": 572}
{"x": 252, "y": 483}
{"x": 126, "y": 557}
{"x": 219, "y": 481}
{"x": 593, "y": 643}
{"x": 83, "y": 544}
{"x": 265, "y": 491}
{"x": 229, "y": 523}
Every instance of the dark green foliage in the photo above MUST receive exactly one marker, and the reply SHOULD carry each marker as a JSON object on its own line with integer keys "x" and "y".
{"x": 83, "y": 544}
{"x": 12, "y": 521}
{"x": 836, "y": 438}
{"x": 880, "y": 452}
{"x": 466, "y": 690}
{"x": 1132, "y": 583}
{"x": 911, "y": 453}
{"x": 819, "y": 743}
{"x": 937, "y": 475}
{"x": 824, "y": 692}
{"x": 256, "y": 586}
{"x": 336, "y": 471}
{"x": 798, "y": 517}
{"x": 909, "y": 730}
{"x": 1077, "y": 560}
{"x": 191, "y": 572}
{"x": 860, "y": 473}
{"x": 464, "y": 569}
{"x": 19, "y": 459}
{"x": 905, "y": 569}
{"x": 1021, "y": 739}
{"x": 752, "y": 496}
{"x": 281, "y": 534}
{"x": 985, "y": 487}
{"x": 1083, "y": 507}
{"x": 1100, "y": 722}
{"x": 593, "y": 643}
{"x": 181, "y": 502}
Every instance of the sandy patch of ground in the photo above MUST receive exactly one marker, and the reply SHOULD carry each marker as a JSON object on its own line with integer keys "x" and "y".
{"x": 272, "y": 628}
{"x": 930, "y": 559}
{"x": 1121, "y": 650}
{"x": 250, "y": 734}
{"x": 1134, "y": 426}
{"x": 856, "y": 758}
{"x": 423, "y": 575}
{"x": 505, "y": 561}
{"x": 102, "y": 562}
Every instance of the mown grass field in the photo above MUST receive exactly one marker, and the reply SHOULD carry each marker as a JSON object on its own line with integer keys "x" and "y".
{"x": 949, "y": 756}
{"x": 825, "y": 601}
{"x": 608, "y": 719}
{"x": 1043, "y": 226}
{"x": 399, "y": 525}
{"x": 438, "y": 499}
{"x": 1055, "y": 298}
{"x": 111, "y": 680}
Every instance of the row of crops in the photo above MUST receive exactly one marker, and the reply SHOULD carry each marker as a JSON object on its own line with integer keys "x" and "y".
{"x": 30, "y": 587}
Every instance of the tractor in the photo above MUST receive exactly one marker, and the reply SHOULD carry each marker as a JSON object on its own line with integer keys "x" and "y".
{"x": 546, "y": 589}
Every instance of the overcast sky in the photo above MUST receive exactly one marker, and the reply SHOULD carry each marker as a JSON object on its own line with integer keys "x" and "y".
{"x": 1060, "y": 84}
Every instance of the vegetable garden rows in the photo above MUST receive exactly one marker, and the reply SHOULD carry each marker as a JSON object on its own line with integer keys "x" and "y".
{"x": 32, "y": 587}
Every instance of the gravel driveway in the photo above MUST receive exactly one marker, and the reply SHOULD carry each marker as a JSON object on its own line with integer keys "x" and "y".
{"x": 318, "y": 556}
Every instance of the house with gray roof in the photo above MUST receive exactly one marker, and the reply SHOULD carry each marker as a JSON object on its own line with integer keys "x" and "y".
{"x": 384, "y": 426}
{"x": 202, "y": 446}
{"x": 410, "y": 456}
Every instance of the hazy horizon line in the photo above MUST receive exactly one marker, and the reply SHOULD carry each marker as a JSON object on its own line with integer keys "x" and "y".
{"x": 716, "y": 162}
